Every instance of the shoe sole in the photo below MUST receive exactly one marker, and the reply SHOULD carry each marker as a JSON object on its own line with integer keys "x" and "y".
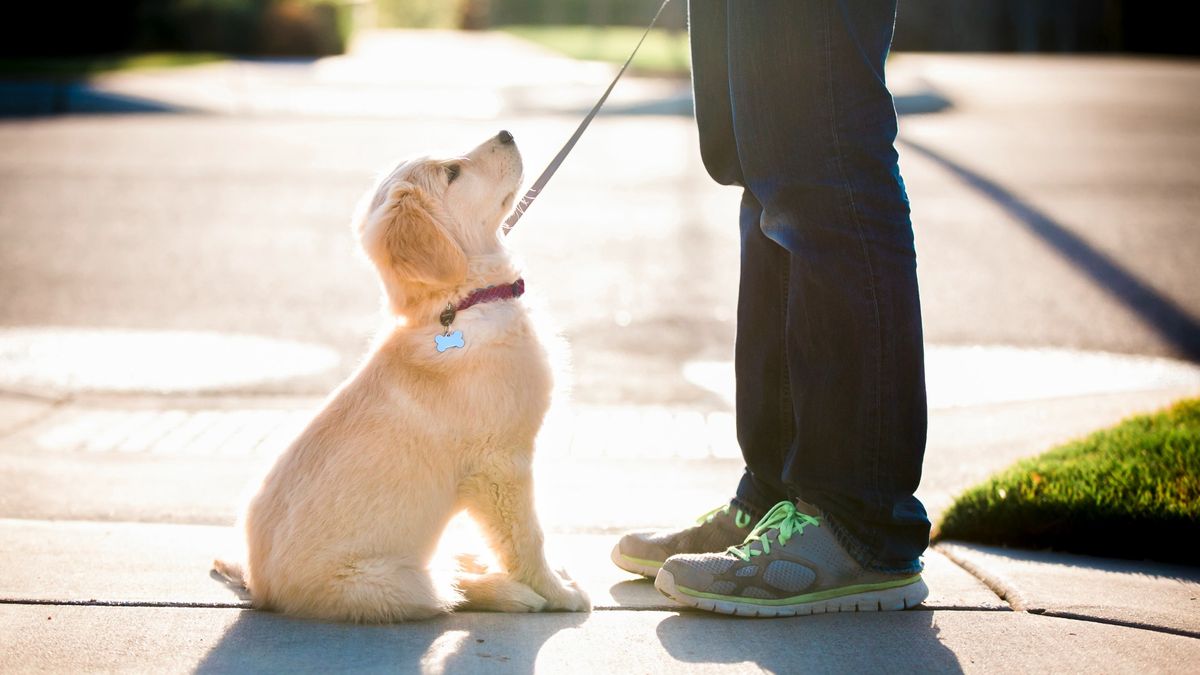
{"x": 883, "y": 600}
{"x": 646, "y": 568}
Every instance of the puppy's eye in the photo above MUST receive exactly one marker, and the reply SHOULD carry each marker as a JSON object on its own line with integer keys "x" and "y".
{"x": 452, "y": 171}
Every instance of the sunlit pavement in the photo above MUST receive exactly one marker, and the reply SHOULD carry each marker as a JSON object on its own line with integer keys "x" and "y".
{"x": 183, "y": 290}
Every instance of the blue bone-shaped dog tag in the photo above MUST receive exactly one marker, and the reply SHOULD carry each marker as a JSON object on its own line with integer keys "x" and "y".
{"x": 445, "y": 342}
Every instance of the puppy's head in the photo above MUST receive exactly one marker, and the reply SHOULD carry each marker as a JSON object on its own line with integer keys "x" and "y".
{"x": 428, "y": 217}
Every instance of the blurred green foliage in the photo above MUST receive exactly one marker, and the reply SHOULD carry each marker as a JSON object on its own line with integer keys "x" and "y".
{"x": 419, "y": 13}
{"x": 589, "y": 12}
{"x": 247, "y": 27}
{"x": 665, "y": 52}
{"x": 254, "y": 27}
{"x": 476, "y": 14}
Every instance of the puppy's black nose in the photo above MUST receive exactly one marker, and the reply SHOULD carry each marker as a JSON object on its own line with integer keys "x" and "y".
{"x": 504, "y": 137}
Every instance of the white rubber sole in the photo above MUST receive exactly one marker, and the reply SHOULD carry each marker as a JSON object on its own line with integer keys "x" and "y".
{"x": 902, "y": 597}
{"x": 646, "y": 568}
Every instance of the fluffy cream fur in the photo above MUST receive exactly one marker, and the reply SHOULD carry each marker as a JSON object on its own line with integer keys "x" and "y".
{"x": 345, "y": 524}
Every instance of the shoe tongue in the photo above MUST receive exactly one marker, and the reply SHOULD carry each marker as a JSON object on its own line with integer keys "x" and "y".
{"x": 807, "y": 509}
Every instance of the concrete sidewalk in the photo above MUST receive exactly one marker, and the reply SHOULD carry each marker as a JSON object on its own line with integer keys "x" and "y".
{"x": 81, "y": 597}
{"x": 109, "y": 538}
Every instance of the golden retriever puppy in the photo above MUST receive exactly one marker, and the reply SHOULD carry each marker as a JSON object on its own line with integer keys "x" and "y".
{"x": 440, "y": 417}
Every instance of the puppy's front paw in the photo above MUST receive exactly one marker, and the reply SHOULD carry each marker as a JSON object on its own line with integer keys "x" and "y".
{"x": 497, "y": 592}
{"x": 567, "y": 597}
{"x": 521, "y": 598}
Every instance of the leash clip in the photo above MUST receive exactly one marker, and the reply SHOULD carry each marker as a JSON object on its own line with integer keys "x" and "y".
{"x": 447, "y": 317}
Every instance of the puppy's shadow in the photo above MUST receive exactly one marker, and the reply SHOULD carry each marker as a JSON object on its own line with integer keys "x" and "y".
{"x": 462, "y": 642}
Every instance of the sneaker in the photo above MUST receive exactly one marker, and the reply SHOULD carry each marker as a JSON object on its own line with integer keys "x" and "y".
{"x": 789, "y": 565}
{"x": 644, "y": 552}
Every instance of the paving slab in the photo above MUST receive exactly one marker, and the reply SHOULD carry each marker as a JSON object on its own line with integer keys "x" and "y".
{"x": 161, "y": 564}
{"x": 1136, "y": 593}
{"x": 181, "y": 459}
{"x": 91, "y": 639}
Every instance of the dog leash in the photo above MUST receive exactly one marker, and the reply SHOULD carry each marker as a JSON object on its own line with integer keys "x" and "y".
{"x": 536, "y": 188}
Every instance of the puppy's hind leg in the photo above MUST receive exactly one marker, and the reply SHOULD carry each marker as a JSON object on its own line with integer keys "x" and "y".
{"x": 378, "y": 590}
{"x": 498, "y": 592}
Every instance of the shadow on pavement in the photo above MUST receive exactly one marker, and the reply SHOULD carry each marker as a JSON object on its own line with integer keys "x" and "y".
{"x": 37, "y": 99}
{"x": 265, "y": 642}
{"x": 847, "y": 643}
{"x": 1172, "y": 322}
{"x": 1138, "y": 568}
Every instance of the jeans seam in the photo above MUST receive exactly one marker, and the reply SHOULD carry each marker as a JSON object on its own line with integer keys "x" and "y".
{"x": 866, "y": 255}
{"x": 787, "y": 405}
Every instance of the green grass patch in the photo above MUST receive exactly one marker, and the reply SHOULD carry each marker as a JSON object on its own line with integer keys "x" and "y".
{"x": 81, "y": 67}
{"x": 1129, "y": 491}
{"x": 664, "y": 53}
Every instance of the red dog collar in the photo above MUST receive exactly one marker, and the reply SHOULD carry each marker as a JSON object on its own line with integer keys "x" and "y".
{"x": 480, "y": 295}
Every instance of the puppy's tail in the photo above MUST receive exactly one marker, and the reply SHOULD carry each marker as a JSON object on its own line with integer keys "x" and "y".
{"x": 233, "y": 572}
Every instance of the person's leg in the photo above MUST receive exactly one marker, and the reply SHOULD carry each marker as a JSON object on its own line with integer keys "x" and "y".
{"x": 814, "y": 127}
{"x": 765, "y": 423}
{"x": 764, "y": 415}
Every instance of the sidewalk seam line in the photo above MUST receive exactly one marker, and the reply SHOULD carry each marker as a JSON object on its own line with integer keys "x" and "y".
{"x": 126, "y": 603}
{"x": 166, "y": 604}
{"x": 1072, "y": 616}
{"x": 994, "y": 584}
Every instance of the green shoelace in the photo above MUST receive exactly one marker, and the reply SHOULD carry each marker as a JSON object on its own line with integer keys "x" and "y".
{"x": 741, "y": 519}
{"x": 783, "y": 516}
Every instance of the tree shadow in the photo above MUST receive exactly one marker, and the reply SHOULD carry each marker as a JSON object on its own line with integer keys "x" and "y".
{"x": 39, "y": 99}
{"x": 265, "y": 642}
{"x": 860, "y": 642}
{"x": 1167, "y": 318}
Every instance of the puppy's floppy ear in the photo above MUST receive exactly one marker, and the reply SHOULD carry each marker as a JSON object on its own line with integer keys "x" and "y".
{"x": 419, "y": 247}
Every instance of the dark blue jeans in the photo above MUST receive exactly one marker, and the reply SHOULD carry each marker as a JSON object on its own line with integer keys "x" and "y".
{"x": 792, "y": 106}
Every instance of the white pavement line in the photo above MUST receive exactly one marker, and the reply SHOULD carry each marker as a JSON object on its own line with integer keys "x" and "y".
{"x": 181, "y": 436}
{"x": 144, "y": 438}
{"x": 252, "y": 427}
{"x": 284, "y": 433}
{"x": 73, "y": 430}
{"x": 119, "y": 427}
{"x": 214, "y": 440}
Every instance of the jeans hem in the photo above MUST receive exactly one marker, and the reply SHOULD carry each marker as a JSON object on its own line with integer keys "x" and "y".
{"x": 863, "y": 555}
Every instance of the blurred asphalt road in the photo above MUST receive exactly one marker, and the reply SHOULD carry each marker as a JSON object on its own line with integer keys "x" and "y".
{"x": 1055, "y": 202}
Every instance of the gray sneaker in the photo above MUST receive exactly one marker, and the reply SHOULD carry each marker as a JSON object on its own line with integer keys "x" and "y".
{"x": 788, "y": 565}
{"x": 644, "y": 552}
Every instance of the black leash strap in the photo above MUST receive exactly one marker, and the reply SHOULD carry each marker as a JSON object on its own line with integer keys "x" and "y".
{"x": 523, "y": 205}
